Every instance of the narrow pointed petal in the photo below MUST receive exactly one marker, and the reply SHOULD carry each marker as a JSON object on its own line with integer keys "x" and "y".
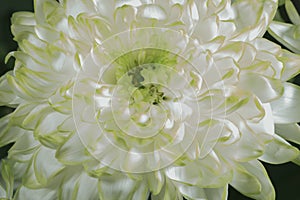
{"x": 292, "y": 12}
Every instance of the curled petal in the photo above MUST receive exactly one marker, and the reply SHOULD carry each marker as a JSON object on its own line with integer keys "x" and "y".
{"x": 261, "y": 12}
{"x": 45, "y": 165}
{"x": 291, "y": 66}
{"x": 266, "y": 89}
{"x": 278, "y": 151}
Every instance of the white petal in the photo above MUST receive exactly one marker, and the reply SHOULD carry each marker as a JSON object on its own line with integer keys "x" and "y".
{"x": 291, "y": 65}
{"x": 120, "y": 187}
{"x": 292, "y": 12}
{"x": 251, "y": 179}
{"x": 206, "y": 173}
{"x": 217, "y": 193}
{"x": 23, "y": 148}
{"x": 289, "y": 132}
{"x": 7, "y": 96}
{"x": 284, "y": 33}
{"x": 8, "y": 132}
{"x": 22, "y": 24}
{"x": 46, "y": 166}
{"x": 72, "y": 151}
{"x": 26, "y": 193}
{"x": 168, "y": 192}
{"x": 75, "y": 7}
{"x": 266, "y": 89}
{"x": 286, "y": 109}
{"x": 278, "y": 151}
{"x": 191, "y": 192}
{"x": 78, "y": 185}
{"x": 261, "y": 12}
{"x": 156, "y": 182}
{"x": 46, "y": 129}
{"x": 7, "y": 176}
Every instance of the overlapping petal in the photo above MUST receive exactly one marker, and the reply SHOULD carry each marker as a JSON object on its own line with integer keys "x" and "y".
{"x": 125, "y": 99}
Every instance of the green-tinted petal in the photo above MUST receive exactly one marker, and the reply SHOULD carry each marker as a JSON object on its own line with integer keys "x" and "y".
{"x": 297, "y": 160}
{"x": 245, "y": 182}
{"x": 250, "y": 145}
{"x": 169, "y": 192}
{"x": 286, "y": 109}
{"x": 26, "y": 193}
{"x": 46, "y": 165}
{"x": 194, "y": 192}
{"x": 23, "y": 148}
{"x": 278, "y": 151}
{"x": 7, "y": 96}
{"x": 72, "y": 151}
{"x": 75, "y": 7}
{"x": 78, "y": 187}
{"x": 205, "y": 173}
{"x": 285, "y": 34}
{"x": 7, "y": 175}
{"x": 120, "y": 187}
{"x": 9, "y": 133}
{"x": 266, "y": 89}
{"x": 292, "y": 12}
{"x": 22, "y": 25}
{"x": 291, "y": 65}
{"x": 156, "y": 182}
{"x": 289, "y": 132}
{"x": 42, "y": 168}
{"x": 2, "y": 193}
{"x": 261, "y": 12}
{"x": 47, "y": 130}
{"x": 36, "y": 114}
{"x": 191, "y": 192}
{"x": 217, "y": 193}
{"x": 251, "y": 179}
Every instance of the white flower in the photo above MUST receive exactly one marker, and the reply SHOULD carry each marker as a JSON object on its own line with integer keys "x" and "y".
{"x": 126, "y": 99}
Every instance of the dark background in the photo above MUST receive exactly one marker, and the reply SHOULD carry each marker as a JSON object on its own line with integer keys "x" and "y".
{"x": 285, "y": 177}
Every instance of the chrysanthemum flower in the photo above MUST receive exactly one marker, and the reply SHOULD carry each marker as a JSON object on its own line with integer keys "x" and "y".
{"x": 136, "y": 98}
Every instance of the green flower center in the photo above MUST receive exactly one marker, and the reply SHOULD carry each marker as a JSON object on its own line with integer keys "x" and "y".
{"x": 140, "y": 68}
{"x": 150, "y": 93}
{"x": 134, "y": 61}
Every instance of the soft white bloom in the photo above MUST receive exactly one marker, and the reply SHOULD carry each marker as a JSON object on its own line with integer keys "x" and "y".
{"x": 126, "y": 99}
